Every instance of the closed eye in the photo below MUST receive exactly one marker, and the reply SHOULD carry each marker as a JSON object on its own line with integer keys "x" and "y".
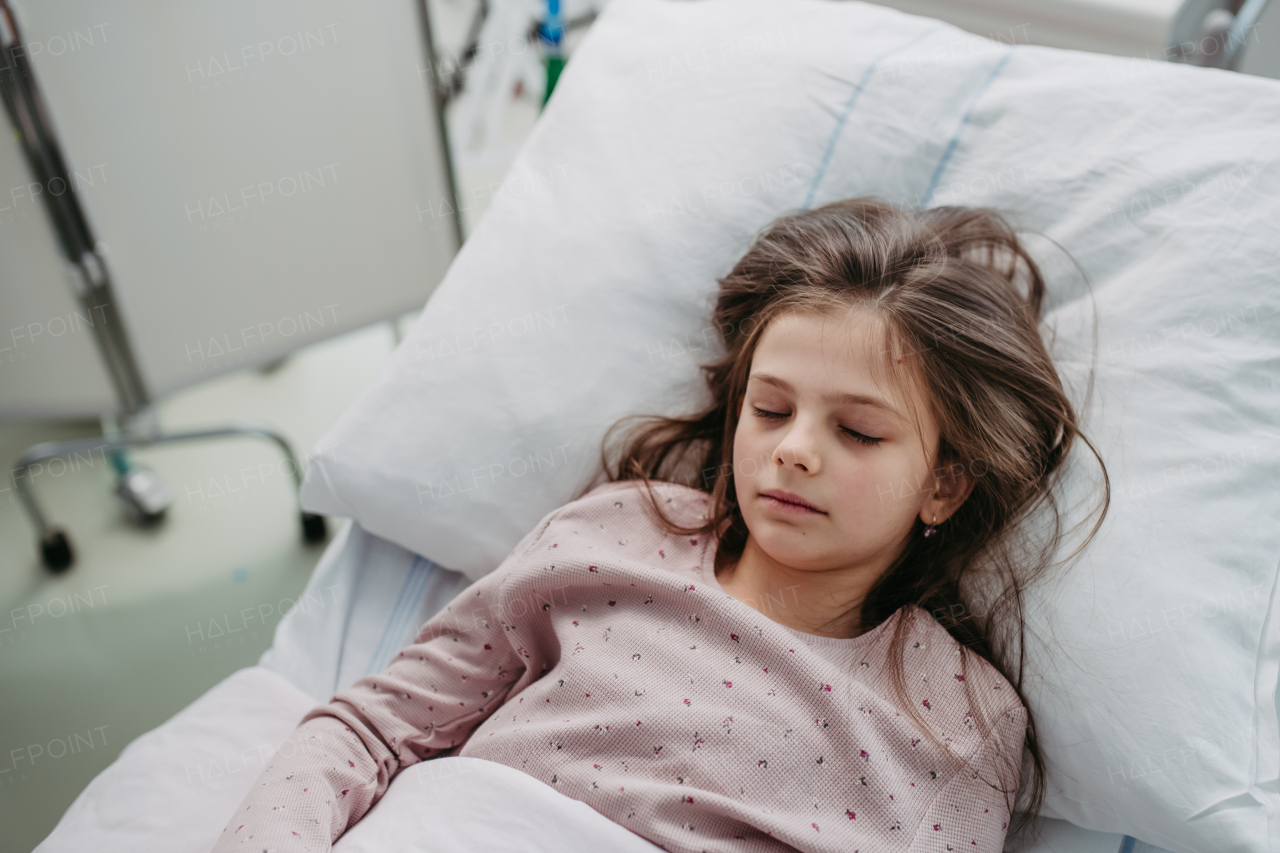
{"x": 855, "y": 435}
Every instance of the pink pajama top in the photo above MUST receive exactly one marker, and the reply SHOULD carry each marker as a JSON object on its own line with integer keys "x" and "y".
{"x": 603, "y": 658}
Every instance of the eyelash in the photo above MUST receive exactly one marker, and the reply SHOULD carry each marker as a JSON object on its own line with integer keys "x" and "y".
{"x": 856, "y": 436}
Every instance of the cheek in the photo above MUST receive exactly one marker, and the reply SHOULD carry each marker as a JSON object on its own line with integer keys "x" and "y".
{"x": 879, "y": 483}
{"x": 751, "y": 452}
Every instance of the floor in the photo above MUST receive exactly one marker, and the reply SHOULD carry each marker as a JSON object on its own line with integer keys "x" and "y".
{"x": 107, "y": 651}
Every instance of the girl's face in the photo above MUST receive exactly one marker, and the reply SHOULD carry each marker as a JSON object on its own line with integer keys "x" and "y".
{"x": 815, "y": 423}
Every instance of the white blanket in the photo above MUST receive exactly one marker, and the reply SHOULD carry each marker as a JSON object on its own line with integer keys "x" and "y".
{"x": 174, "y": 789}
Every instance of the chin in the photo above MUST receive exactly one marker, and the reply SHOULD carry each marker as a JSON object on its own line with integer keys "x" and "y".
{"x": 786, "y": 545}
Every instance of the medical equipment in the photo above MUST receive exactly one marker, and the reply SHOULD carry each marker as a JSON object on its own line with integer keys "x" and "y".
{"x": 211, "y": 213}
{"x": 1153, "y": 658}
{"x": 552, "y": 33}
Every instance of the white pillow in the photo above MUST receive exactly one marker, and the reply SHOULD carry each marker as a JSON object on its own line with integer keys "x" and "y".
{"x": 680, "y": 129}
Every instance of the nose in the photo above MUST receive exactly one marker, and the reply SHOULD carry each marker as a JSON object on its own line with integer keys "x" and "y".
{"x": 798, "y": 447}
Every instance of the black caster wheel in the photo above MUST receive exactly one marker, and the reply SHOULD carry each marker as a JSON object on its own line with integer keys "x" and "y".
{"x": 55, "y": 551}
{"x": 151, "y": 519}
{"x": 313, "y": 528}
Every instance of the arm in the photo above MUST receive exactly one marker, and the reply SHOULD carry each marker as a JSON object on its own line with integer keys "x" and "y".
{"x": 341, "y": 758}
{"x": 970, "y": 814}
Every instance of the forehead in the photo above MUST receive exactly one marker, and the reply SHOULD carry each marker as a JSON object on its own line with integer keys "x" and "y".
{"x": 841, "y": 358}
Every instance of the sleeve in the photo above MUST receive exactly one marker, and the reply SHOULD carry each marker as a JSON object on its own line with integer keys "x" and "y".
{"x": 972, "y": 813}
{"x": 430, "y": 698}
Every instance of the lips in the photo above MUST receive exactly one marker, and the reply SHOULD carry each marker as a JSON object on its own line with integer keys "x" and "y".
{"x": 789, "y": 497}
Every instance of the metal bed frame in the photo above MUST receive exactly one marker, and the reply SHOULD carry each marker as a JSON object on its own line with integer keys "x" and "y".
{"x": 1226, "y": 28}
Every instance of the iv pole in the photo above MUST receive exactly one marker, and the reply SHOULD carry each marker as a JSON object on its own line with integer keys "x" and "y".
{"x": 145, "y": 495}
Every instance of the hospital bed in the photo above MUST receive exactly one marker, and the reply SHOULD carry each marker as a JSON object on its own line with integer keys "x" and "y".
{"x": 1152, "y": 662}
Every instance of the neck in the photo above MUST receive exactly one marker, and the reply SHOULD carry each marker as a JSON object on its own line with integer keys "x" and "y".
{"x": 825, "y": 603}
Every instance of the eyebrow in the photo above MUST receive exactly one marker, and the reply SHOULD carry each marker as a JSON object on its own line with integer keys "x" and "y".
{"x": 835, "y": 399}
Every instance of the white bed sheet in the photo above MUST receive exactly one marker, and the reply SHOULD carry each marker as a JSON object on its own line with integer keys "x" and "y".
{"x": 365, "y": 601}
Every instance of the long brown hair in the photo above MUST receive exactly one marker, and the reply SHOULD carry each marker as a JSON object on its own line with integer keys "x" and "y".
{"x": 959, "y": 297}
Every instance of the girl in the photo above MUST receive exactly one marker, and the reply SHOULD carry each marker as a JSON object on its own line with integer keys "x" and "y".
{"x": 774, "y": 626}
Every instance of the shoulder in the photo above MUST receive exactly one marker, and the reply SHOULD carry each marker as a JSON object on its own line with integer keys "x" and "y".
{"x": 683, "y": 504}
{"x": 968, "y": 677}
{"x": 622, "y": 506}
{"x": 666, "y": 487}
{"x": 618, "y": 519}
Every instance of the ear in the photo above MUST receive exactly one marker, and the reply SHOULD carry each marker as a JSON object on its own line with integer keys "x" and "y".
{"x": 952, "y": 486}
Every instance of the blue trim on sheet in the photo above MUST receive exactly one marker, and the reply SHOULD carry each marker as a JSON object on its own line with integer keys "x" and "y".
{"x": 964, "y": 120}
{"x": 848, "y": 109}
{"x": 1126, "y": 846}
{"x": 406, "y": 605}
